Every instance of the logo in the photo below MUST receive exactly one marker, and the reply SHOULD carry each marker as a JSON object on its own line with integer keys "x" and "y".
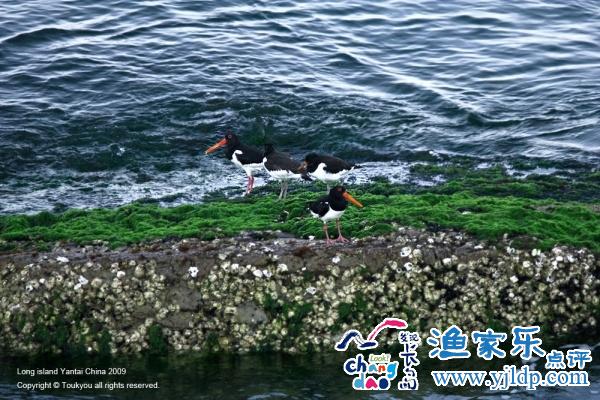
{"x": 380, "y": 371}
{"x": 354, "y": 336}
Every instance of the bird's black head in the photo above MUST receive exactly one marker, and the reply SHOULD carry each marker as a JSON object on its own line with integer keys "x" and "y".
{"x": 269, "y": 148}
{"x": 231, "y": 139}
{"x": 337, "y": 192}
{"x": 340, "y": 195}
{"x": 311, "y": 158}
{"x": 310, "y": 163}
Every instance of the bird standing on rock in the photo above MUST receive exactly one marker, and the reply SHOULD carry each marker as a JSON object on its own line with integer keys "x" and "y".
{"x": 331, "y": 207}
{"x": 327, "y": 169}
{"x": 249, "y": 158}
{"x": 282, "y": 168}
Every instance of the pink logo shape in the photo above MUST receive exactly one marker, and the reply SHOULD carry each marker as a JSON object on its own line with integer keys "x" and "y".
{"x": 371, "y": 383}
{"x": 387, "y": 323}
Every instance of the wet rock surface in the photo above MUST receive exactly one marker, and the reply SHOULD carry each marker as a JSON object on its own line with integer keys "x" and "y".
{"x": 280, "y": 293}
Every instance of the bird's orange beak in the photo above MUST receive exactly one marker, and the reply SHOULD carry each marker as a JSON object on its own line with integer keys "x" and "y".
{"x": 216, "y": 146}
{"x": 302, "y": 166}
{"x": 352, "y": 200}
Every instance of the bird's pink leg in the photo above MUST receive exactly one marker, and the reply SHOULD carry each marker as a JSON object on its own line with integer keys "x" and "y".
{"x": 248, "y": 188}
{"x": 250, "y": 183}
{"x": 327, "y": 240}
{"x": 340, "y": 238}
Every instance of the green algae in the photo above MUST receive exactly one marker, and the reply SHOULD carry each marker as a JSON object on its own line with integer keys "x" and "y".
{"x": 104, "y": 343}
{"x": 54, "y": 332}
{"x": 487, "y": 217}
{"x": 348, "y": 311}
{"x": 496, "y": 181}
{"x": 293, "y": 313}
{"x": 157, "y": 342}
{"x": 487, "y": 203}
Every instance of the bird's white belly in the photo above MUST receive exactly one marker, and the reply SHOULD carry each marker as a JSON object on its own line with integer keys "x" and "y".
{"x": 324, "y": 176}
{"x": 250, "y": 169}
{"x": 282, "y": 175}
{"x": 331, "y": 215}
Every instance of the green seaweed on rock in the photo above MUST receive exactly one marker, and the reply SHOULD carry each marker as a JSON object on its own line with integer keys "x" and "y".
{"x": 486, "y": 203}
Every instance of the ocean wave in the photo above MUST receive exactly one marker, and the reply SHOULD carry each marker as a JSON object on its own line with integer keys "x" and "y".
{"x": 45, "y": 34}
{"x": 383, "y": 82}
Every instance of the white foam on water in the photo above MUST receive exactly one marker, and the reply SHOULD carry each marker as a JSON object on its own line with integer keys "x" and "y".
{"x": 192, "y": 185}
{"x": 395, "y": 171}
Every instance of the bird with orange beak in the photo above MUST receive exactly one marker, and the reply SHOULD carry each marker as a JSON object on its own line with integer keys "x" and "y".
{"x": 327, "y": 169}
{"x": 248, "y": 158}
{"x": 332, "y": 207}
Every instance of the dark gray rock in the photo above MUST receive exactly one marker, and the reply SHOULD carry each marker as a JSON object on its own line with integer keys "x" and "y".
{"x": 250, "y": 313}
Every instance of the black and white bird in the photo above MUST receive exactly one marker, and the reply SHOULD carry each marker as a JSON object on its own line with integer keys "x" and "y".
{"x": 282, "y": 168}
{"x": 327, "y": 169}
{"x": 249, "y": 158}
{"x": 332, "y": 207}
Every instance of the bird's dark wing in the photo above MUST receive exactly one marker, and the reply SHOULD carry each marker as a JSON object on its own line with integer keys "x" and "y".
{"x": 277, "y": 161}
{"x": 250, "y": 155}
{"x": 334, "y": 165}
{"x": 320, "y": 207}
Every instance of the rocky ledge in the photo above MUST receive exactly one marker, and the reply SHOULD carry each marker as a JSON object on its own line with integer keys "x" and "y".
{"x": 262, "y": 292}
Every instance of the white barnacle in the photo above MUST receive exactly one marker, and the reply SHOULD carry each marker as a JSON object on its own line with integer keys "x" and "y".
{"x": 139, "y": 272}
{"x": 96, "y": 282}
{"x": 193, "y": 271}
{"x": 257, "y": 273}
{"x": 405, "y": 252}
{"x": 230, "y": 310}
{"x": 82, "y": 280}
{"x": 336, "y": 259}
{"x": 311, "y": 290}
{"x": 61, "y": 259}
{"x": 120, "y": 274}
{"x": 282, "y": 268}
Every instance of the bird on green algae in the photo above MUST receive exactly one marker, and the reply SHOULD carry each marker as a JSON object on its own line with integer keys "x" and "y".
{"x": 327, "y": 169}
{"x": 282, "y": 168}
{"x": 332, "y": 207}
{"x": 248, "y": 158}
